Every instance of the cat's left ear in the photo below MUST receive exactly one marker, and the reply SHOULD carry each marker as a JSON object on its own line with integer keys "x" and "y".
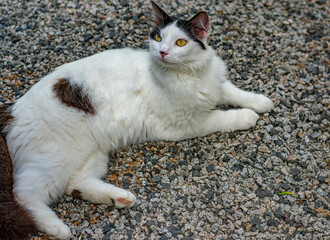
{"x": 199, "y": 25}
{"x": 161, "y": 16}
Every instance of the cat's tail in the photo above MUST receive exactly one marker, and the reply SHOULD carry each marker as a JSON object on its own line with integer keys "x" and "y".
{"x": 16, "y": 222}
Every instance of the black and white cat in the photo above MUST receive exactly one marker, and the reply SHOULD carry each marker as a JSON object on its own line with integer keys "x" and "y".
{"x": 60, "y": 132}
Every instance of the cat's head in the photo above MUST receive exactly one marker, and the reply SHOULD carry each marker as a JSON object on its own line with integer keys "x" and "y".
{"x": 179, "y": 43}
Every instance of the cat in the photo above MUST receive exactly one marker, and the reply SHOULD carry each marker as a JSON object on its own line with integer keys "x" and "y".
{"x": 60, "y": 132}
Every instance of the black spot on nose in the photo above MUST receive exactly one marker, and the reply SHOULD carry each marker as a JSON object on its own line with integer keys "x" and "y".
{"x": 162, "y": 53}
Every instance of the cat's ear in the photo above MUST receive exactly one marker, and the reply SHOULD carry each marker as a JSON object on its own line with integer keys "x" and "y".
{"x": 161, "y": 16}
{"x": 199, "y": 25}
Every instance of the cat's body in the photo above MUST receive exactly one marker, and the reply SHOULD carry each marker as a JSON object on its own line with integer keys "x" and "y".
{"x": 59, "y": 134}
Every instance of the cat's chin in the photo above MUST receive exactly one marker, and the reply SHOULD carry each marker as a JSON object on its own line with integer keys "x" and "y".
{"x": 166, "y": 63}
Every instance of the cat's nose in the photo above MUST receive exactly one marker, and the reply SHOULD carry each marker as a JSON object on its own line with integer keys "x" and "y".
{"x": 163, "y": 54}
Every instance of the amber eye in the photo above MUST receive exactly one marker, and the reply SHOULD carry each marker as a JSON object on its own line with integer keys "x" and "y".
{"x": 181, "y": 42}
{"x": 158, "y": 38}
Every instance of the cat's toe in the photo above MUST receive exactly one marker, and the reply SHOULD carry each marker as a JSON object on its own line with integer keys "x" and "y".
{"x": 56, "y": 229}
{"x": 263, "y": 104}
{"x": 126, "y": 200}
{"x": 248, "y": 118}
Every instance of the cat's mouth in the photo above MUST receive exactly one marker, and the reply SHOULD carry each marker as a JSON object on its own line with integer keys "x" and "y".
{"x": 163, "y": 60}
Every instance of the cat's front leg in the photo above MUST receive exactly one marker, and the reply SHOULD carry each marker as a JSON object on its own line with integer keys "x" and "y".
{"x": 231, "y": 120}
{"x": 213, "y": 121}
{"x": 234, "y": 96}
{"x": 87, "y": 184}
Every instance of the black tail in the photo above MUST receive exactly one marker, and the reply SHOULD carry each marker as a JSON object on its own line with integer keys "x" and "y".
{"x": 15, "y": 221}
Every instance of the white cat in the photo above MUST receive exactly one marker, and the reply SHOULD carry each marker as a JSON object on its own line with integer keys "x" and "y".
{"x": 60, "y": 132}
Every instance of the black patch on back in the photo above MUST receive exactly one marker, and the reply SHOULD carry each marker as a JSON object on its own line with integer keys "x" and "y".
{"x": 72, "y": 95}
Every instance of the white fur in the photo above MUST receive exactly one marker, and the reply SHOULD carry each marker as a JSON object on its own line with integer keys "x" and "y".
{"x": 57, "y": 149}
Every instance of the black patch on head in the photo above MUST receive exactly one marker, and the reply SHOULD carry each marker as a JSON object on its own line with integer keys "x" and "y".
{"x": 162, "y": 20}
{"x": 186, "y": 27}
{"x": 182, "y": 24}
{"x": 154, "y": 32}
{"x": 161, "y": 17}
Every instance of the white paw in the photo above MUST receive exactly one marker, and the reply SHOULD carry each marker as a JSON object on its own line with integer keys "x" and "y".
{"x": 124, "y": 199}
{"x": 56, "y": 229}
{"x": 247, "y": 119}
{"x": 262, "y": 104}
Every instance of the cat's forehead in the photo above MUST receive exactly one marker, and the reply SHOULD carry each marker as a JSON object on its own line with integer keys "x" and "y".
{"x": 171, "y": 21}
{"x": 172, "y": 30}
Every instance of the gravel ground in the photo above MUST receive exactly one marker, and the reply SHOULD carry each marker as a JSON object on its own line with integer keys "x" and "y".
{"x": 225, "y": 185}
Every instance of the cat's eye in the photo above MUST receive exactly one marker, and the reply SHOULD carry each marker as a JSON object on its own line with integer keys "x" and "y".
{"x": 158, "y": 38}
{"x": 181, "y": 42}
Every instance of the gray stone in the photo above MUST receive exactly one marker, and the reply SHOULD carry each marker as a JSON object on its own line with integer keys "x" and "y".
{"x": 263, "y": 193}
{"x": 295, "y": 171}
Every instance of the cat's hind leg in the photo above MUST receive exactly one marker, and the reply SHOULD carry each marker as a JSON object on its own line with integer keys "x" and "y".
{"x": 38, "y": 183}
{"x": 46, "y": 219}
{"x": 87, "y": 184}
{"x": 234, "y": 96}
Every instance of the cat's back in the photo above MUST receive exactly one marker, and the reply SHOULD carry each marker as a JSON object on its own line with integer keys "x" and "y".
{"x": 108, "y": 64}
{"x": 110, "y": 71}
{"x": 124, "y": 58}
{"x": 110, "y": 61}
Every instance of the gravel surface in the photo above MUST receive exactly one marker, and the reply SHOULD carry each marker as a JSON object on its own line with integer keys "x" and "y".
{"x": 225, "y": 185}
